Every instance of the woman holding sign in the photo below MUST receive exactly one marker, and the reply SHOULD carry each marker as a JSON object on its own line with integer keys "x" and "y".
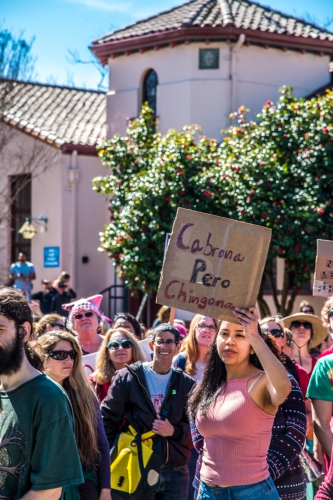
{"x": 234, "y": 407}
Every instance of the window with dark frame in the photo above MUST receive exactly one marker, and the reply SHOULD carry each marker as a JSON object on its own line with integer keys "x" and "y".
{"x": 149, "y": 89}
{"x": 20, "y": 192}
{"x": 209, "y": 58}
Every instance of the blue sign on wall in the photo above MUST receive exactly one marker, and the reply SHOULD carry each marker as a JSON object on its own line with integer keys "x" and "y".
{"x": 51, "y": 256}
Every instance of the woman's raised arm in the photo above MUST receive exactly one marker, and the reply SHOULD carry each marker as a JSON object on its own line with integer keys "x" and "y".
{"x": 278, "y": 384}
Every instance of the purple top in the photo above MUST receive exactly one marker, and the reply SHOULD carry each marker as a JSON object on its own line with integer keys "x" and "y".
{"x": 103, "y": 467}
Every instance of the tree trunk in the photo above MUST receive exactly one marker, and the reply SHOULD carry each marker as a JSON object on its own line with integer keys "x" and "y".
{"x": 263, "y": 306}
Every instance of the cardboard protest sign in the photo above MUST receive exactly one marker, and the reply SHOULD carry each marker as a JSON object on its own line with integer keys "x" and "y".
{"x": 323, "y": 278}
{"x": 212, "y": 264}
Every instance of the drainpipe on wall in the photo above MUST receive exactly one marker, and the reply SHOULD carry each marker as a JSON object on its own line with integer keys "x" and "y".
{"x": 73, "y": 180}
{"x": 232, "y": 68}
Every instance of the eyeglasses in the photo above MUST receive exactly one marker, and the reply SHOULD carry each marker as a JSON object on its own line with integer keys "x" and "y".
{"x": 206, "y": 327}
{"x": 330, "y": 314}
{"x": 166, "y": 342}
{"x": 62, "y": 355}
{"x": 125, "y": 344}
{"x": 277, "y": 333}
{"x": 84, "y": 315}
{"x": 297, "y": 324}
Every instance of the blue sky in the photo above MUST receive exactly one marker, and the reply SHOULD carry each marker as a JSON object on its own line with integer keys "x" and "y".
{"x": 59, "y": 25}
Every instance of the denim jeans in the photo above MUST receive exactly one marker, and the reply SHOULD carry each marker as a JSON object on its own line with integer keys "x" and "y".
{"x": 173, "y": 483}
{"x": 191, "y": 468}
{"x": 265, "y": 490}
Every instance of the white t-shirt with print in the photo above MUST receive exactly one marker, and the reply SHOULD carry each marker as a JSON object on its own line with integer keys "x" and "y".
{"x": 157, "y": 385}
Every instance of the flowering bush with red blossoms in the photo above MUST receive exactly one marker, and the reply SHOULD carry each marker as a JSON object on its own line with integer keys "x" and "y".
{"x": 277, "y": 173}
{"x": 151, "y": 175}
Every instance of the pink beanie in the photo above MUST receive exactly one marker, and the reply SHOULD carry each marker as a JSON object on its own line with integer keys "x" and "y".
{"x": 82, "y": 305}
{"x": 182, "y": 330}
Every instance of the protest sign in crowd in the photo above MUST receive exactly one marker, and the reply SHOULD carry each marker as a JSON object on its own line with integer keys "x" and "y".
{"x": 230, "y": 406}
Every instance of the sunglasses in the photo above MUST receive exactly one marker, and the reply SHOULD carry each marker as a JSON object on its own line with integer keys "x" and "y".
{"x": 62, "y": 355}
{"x": 125, "y": 344}
{"x": 277, "y": 333}
{"x": 88, "y": 314}
{"x": 330, "y": 314}
{"x": 59, "y": 325}
{"x": 297, "y": 324}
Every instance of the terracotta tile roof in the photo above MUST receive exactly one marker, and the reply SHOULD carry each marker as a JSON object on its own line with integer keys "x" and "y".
{"x": 55, "y": 114}
{"x": 240, "y": 14}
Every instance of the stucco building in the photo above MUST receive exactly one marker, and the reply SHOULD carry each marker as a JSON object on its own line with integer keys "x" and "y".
{"x": 47, "y": 163}
{"x": 200, "y": 61}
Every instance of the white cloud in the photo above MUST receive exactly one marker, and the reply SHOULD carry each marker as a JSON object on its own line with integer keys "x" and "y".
{"x": 111, "y": 6}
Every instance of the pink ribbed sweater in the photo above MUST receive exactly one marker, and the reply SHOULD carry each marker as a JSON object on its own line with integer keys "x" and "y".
{"x": 237, "y": 435}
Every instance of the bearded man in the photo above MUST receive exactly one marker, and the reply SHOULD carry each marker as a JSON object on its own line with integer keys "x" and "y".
{"x": 38, "y": 454}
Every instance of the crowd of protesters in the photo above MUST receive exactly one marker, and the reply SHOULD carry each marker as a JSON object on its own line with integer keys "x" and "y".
{"x": 232, "y": 409}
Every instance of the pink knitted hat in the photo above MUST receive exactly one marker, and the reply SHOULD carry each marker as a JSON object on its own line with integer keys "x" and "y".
{"x": 82, "y": 305}
{"x": 182, "y": 330}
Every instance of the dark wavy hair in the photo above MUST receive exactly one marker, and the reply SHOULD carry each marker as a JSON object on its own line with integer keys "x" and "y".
{"x": 214, "y": 377}
{"x": 131, "y": 319}
{"x": 15, "y": 307}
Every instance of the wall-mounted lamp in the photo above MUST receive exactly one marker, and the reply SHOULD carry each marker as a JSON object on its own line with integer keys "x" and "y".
{"x": 28, "y": 231}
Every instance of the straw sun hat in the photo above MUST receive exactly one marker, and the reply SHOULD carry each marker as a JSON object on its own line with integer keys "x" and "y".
{"x": 319, "y": 330}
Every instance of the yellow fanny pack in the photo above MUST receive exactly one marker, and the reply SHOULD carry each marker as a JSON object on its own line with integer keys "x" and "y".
{"x": 136, "y": 461}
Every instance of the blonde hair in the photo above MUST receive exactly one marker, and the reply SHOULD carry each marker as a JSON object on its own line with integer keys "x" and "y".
{"x": 328, "y": 306}
{"x": 48, "y": 319}
{"x": 104, "y": 366}
{"x": 81, "y": 396}
{"x": 163, "y": 314}
{"x": 275, "y": 318}
{"x": 190, "y": 346}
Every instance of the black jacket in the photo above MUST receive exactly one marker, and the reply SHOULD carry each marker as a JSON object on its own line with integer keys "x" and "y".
{"x": 128, "y": 397}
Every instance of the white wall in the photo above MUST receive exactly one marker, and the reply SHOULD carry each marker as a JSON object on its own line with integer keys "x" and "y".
{"x": 187, "y": 95}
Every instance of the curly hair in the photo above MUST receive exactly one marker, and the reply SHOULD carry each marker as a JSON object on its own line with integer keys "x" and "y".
{"x": 131, "y": 319}
{"x": 328, "y": 306}
{"x": 81, "y": 396}
{"x": 14, "y": 306}
{"x": 104, "y": 366}
{"x": 215, "y": 376}
{"x": 274, "y": 318}
{"x": 48, "y": 319}
{"x": 190, "y": 345}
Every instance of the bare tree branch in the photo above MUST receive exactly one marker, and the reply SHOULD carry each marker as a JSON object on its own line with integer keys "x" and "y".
{"x": 73, "y": 57}
{"x": 28, "y": 159}
{"x": 326, "y": 23}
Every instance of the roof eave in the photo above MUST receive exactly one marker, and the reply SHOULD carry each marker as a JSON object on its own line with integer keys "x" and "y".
{"x": 84, "y": 149}
{"x": 104, "y": 50}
